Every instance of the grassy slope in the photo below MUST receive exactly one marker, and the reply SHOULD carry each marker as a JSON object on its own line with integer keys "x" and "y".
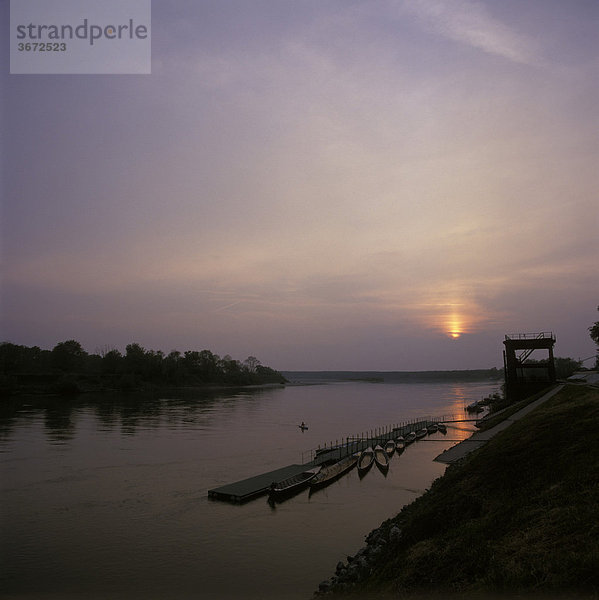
{"x": 494, "y": 418}
{"x": 519, "y": 516}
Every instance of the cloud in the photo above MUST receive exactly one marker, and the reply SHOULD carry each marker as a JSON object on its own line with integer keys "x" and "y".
{"x": 470, "y": 23}
{"x": 351, "y": 173}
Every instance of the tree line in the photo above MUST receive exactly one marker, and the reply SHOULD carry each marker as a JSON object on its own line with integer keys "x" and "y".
{"x": 594, "y": 333}
{"x": 564, "y": 367}
{"x": 68, "y": 368}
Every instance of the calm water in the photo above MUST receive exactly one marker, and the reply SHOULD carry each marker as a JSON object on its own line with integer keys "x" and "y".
{"x": 106, "y": 497}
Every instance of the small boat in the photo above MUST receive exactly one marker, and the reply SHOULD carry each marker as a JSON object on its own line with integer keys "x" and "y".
{"x": 421, "y": 433}
{"x": 390, "y": 447}
{"x": 474, "y": 408}
{"x": 432, "y": 428}
{"x": 329, "y": 474}
{"x": 410, "y": 437}
{"x": 400, "y": 444}
{"x": 381, "y": 458}
{"x": 303, "y": 426}
{"x": 442, "y": 428}
{"x": 366, "y": 459}
{"x": 291, "y": 485}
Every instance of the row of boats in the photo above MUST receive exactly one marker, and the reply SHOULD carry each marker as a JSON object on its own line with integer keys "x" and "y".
{"x": 323, "y": 475}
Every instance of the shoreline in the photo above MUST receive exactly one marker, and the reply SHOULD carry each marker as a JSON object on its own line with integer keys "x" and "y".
{"x": 480, "y": 438}
{"x": 443, "y": 543}
{"x": 149, "y": 390}
{"x": 71, "y": 385}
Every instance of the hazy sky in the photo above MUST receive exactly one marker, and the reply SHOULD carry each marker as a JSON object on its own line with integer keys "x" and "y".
{"x": 324, "y": 184}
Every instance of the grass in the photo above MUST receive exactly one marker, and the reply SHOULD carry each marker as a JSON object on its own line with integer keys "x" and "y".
{"x": 493, "y": 419}
{"x": 519, "y": 517}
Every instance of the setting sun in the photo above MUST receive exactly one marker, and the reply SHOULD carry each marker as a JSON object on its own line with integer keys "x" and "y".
{"x": 455, "y": 327}
{"x": 453, "y": 319}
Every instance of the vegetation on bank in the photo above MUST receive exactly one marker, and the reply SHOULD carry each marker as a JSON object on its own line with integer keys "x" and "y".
{"x": 594, "y": 334}
{"x": 517, "y": 517}
{"x": 69, "y": 369}
{"x": 500, "y": 409}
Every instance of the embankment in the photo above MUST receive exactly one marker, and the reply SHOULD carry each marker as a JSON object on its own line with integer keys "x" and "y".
{"x": 518, "y": 517}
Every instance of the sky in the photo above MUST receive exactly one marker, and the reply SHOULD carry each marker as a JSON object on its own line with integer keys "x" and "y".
{"x": 322, "y": 184}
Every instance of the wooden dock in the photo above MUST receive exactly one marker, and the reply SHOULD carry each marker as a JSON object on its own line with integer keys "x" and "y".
{"x": 248, "y": 489}
{"x": 253, "y": 487}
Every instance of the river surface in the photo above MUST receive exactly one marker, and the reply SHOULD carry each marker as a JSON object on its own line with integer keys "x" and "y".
{"x": 106, "y": 496}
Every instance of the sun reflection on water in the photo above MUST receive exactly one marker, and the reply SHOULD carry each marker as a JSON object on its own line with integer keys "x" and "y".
{"x": 460, "y": 396}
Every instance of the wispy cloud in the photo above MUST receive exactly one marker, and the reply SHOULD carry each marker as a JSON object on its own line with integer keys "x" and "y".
{"x": 470, "y": 23}
{"x": 227, "y": 306}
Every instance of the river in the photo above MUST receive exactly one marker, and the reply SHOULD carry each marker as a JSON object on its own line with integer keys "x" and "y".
{"x": 105, "y": 496}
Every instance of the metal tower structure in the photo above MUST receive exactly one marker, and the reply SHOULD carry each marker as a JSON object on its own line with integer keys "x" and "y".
{"x": 522, "y": 377}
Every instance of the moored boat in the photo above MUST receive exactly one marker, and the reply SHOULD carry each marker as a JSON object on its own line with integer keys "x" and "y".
{"x": 328, "y": 474}
{"x": 421, "y": 433}
{"x": 366, "y": 459}
{"x": 291, "y": 485}
{"x": 410, "y": 437}
{"x": 432, "y": 428}
{"x": 381, "y": 458}
{"x": 442, "y": 427}
{"x": 390, "y": 447}
{"x": 400, "y": 443}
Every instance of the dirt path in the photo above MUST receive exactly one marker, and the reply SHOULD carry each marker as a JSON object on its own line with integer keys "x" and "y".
{"x": 478, "y": 439}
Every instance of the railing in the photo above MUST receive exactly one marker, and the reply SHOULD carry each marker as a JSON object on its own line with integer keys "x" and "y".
{"x": 354, "y": 443}
{"x": 530, "y": 336}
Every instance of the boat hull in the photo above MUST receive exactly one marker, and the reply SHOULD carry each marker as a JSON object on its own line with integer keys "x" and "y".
{"x": 366, "y": 460}
{"x": 286, "y": 488}
{"x": 381, "y": 458}
{"x": 410, "y": 437}
{"x": 330, "y": 474}
{"x": 390, "y": 448}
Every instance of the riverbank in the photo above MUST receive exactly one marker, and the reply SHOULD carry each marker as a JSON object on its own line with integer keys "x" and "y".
{"x": 517, "y": 517}
{"x": 68, "y": 370}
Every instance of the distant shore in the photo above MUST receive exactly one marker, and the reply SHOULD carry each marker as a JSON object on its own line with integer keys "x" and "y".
{"x": 307, "y": 377}
{"x": 63, "y": 384}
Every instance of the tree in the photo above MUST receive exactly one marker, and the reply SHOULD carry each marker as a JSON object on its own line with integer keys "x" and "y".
{"x": 173, "y": 366}
{"x": 209, "y": 365}
{"x": 135, "y": 358}
{"x": 68, "y": 356}
{"x": 68, "y": 368}
{"x": 268, "y": 375}
{"x": 250, "y": 363}
{"x": 594, "y": 333}
{"x": 231, "y": 369}
{"x": 104, "y": 349}
{"x": 19, "y": 359}
{"x": 154, "y": 364}
{"x": 112, "y": 362}
{"x": 565, "y": 367}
